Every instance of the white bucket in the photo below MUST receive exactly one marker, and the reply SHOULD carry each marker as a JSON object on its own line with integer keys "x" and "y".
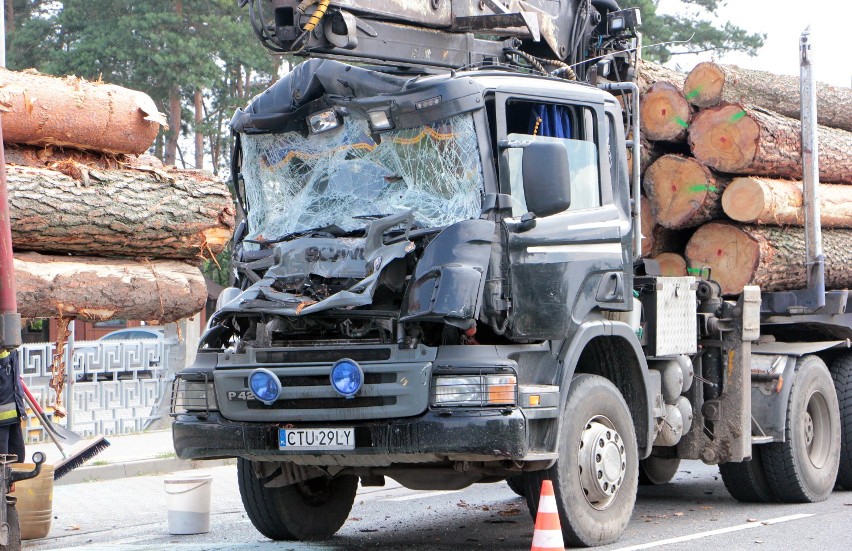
{"x": 188, "y": 501}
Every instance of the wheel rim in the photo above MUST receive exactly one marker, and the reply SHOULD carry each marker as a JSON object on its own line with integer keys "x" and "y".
{"x": 817, "y": 430}
{"x": 602, "y": 462}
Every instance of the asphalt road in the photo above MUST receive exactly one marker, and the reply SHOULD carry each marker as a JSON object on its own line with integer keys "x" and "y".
{"x": 692, "y": 512}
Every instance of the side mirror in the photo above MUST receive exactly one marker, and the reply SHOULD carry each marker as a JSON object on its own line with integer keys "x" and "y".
{"x": 547, "y": 180}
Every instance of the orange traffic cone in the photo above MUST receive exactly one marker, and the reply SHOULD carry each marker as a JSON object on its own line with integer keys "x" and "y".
{"x": 548, "y": 533}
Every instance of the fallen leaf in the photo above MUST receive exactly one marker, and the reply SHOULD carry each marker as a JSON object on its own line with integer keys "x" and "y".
{"x": 72, "y": 528}
{"x": 751, "y": 520}
{"x": 678, "y": 514}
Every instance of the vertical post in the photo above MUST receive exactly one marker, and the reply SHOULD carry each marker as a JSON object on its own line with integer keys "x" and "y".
{"x": 69, "y": 376}
{"x": 10, "y": 320}
{"x": 810, "y": 165}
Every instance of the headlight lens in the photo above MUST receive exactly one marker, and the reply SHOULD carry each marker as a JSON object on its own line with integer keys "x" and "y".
{"x": 347, "y": 377}
{"x": 265, "y": 385}
{"x": 475, "y": 390}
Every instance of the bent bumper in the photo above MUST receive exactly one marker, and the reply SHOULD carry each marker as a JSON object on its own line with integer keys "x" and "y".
{"x": 483, "y": 435}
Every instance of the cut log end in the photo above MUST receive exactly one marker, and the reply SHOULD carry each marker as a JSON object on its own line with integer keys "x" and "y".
{"x": 744, "y": 200}
{"x": 677, "y": 187}
{"x": 671, "y": 264}
{"x": 730, "y": 255}
{"x": 725, "y": 138}
{"x": 665, "y": 113}
{"x": 704, "y": 84}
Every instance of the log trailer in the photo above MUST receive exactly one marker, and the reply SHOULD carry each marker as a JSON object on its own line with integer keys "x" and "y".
{"x": 437, "y": 279}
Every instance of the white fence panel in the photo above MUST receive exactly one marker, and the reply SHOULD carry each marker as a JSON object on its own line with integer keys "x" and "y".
{"x": 112, "y": 387}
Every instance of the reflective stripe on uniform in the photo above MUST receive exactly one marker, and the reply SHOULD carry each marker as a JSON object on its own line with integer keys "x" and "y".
{"x": 3, "y": 354}
{"x": 8, "y": 411}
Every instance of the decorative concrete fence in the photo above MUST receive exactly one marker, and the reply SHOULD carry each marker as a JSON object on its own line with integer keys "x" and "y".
{"x": 112, "y": 387}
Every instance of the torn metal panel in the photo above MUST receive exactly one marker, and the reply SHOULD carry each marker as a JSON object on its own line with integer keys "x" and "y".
{"x": 450, "y": 276}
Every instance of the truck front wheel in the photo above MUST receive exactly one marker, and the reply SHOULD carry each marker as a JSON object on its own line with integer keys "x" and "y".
{"x": 803, "y": 468}
{"x": 596, "y": 475}
{"x": 309, "y": 510}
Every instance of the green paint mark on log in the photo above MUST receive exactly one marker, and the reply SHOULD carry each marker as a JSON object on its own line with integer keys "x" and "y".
{"x": 681, "y": 122}
{"x": 703, "y": 187}
{"x": 738, "y": 116}
{"x": 694, "y": 93}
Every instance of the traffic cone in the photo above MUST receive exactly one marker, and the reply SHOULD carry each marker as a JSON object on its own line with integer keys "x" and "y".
{"x": 548, "y": 532}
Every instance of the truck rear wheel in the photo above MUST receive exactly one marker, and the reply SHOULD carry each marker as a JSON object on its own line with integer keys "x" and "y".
{"x": 309, "y": 510}
{"x": 746, "y": 480}
{"x": 803, "y": 468}
{"x": 841, "y": 372}
{"x": 596, "y": 475}
{"x": 655, "y": 470}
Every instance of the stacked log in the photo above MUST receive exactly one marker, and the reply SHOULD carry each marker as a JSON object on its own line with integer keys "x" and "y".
{"x": 666, "y": 113}
{"x": 98, "y": 230}
{"x": 710, "y": 84}
{"x": 738, "y": 188}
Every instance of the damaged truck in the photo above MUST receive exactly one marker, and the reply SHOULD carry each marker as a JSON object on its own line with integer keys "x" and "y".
{"x": 437, "y": 279}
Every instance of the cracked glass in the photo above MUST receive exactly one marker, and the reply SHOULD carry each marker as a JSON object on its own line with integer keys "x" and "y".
{"x": 295, "y": 183}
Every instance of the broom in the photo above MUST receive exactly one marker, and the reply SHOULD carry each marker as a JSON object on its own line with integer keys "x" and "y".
{"x": 60, "y": 434}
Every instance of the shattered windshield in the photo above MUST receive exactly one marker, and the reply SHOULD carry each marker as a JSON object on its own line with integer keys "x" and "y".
{"x": 296, "y": 183}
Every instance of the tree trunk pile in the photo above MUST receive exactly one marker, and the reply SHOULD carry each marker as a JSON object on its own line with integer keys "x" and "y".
{"x": 734, "y": 194}
{"x": 98, "y": 230}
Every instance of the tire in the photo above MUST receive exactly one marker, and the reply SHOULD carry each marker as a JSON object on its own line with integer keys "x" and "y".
{"x": 314, "y": 509}
{"x": 595, "y": 414}
{"x": 746, "y": 481}
{"x": 14, "y": 541}
{"x": 841, "y": 372}
{"x": 516, "y": 483}
{"x": 657, "y": 470}
{"x": 803, "y": 468}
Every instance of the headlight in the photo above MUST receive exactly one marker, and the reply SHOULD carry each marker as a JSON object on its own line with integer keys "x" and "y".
{"x": 265, "y": 385}
{"x": 323, "y": 121}
{"x": 347, "y": 377}
{"x": 475, "y": 390}
{"x": 193, "y": 394}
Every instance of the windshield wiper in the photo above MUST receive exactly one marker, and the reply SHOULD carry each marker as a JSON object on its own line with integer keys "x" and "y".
{"x": 370, "y": 216}
{"x": 332, "y": 230}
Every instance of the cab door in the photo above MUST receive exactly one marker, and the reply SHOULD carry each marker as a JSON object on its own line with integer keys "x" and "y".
{"x": 565, "y": 265}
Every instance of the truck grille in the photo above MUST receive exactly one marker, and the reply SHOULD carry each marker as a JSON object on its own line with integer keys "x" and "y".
{"x": 331, "y": 403}
{"x": 312, "y": 356}
{"x": 395, "y": 387}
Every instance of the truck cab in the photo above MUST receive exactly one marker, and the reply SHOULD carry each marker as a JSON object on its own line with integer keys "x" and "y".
{"x": 425, "y": 264}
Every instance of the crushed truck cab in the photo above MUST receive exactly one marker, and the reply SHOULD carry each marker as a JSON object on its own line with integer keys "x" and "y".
{"x": 437, "y": 278}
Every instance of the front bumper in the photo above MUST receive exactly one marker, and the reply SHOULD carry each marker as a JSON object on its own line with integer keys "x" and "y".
{"x": 462, "y": 435}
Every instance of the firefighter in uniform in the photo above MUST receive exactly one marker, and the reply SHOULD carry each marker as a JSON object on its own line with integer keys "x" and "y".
{"x": 11, "y": 405}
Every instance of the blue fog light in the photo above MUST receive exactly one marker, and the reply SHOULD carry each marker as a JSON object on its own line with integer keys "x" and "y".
{"x": 264, "y": 385}
{"x": 347, "y": 377}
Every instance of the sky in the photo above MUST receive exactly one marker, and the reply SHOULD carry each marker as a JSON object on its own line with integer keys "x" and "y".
{"x": 783, "y": 22}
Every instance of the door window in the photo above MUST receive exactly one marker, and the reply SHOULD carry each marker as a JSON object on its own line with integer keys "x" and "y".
{"x": 571, "y": 126}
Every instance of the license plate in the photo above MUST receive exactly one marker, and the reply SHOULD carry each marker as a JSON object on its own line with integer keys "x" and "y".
{"x": 316, "y": 439}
